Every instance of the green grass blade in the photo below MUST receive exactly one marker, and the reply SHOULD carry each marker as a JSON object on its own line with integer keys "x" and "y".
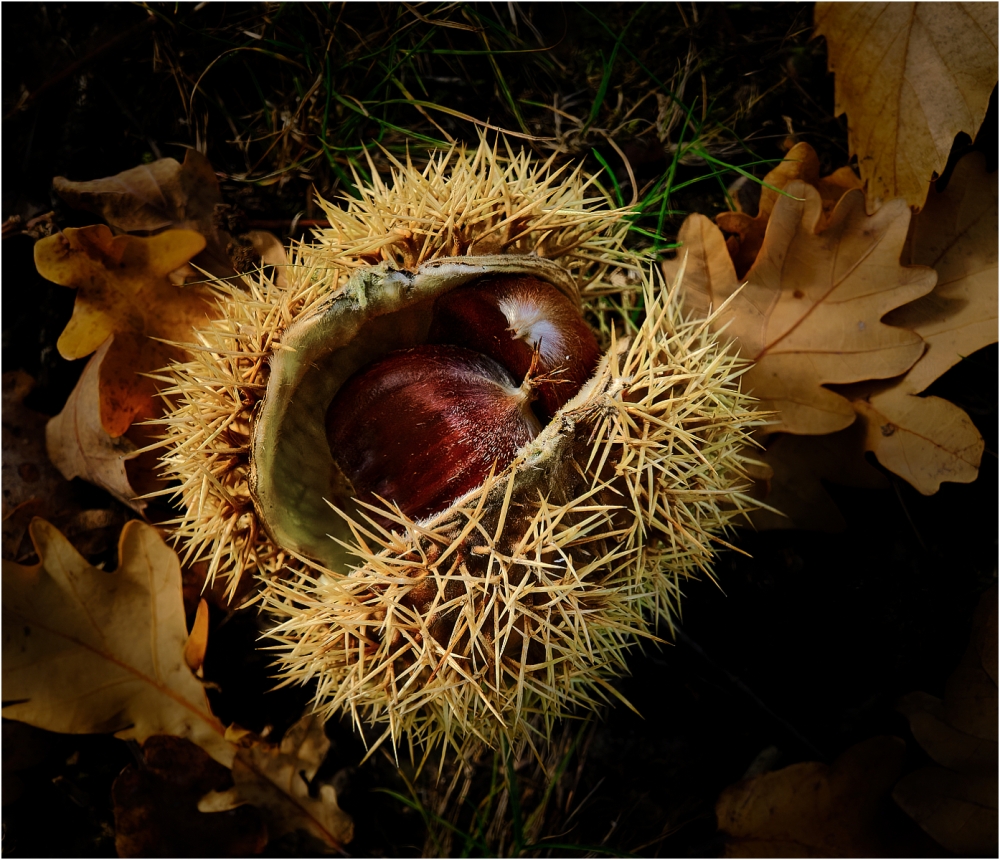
{"x": 611, "y": 176}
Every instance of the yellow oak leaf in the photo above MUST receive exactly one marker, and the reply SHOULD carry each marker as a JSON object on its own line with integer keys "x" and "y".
{"x": 123, "y": 290}
{"x": 801, "y": 162}
{"x": 809, "y": 314}
{"x": 956, "y": 233}
{"x": 813, "y": 809}
{"x": 956, "y": 802}
{"x": 86, "y": 650}
{"x": 275, "y": 778}
{"x": 909, "y": 76}
{"x": 164, "y": 194}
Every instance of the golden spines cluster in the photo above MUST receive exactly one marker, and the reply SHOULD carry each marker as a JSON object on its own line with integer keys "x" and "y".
{"x": 520, "y": 604}
{"x": 470, "y": 202}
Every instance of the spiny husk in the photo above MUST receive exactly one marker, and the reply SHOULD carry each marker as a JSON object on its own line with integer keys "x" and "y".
{"x": 461, "y": 203}
{"x": 519, "y": 604}
{"x": 293, "y": 474}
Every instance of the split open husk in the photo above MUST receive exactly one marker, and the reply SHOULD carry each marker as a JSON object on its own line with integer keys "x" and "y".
{"x": 516, "y": 605}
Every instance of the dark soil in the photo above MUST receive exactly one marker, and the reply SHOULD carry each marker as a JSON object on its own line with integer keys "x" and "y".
{"x": 805, "y": 645}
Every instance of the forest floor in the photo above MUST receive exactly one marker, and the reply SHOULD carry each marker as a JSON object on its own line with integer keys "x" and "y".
{"x": 806, "y": 642}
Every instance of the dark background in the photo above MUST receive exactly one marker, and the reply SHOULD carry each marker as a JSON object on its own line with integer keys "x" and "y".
{"x": 804, "y": 646}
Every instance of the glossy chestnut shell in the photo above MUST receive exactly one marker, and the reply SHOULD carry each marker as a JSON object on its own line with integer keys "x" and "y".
{"x": 424, "y": 426}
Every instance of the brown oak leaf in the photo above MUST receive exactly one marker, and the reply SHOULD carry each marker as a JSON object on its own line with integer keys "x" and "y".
{"x": 123, "y": 291}
{"x": 909, "y": 76}
{"x": 275, "y": 778}
{"x": 801, "y": 162}
{"x": 810, "y": 313}
{"x": 956, "y": 803}
{"x": 925, "y": 440}
{"x": 151, "y": 196}
{"x": 87, "y": 650}
{"x": 165, "y": 194}
{"x": 156, "y": 806}
{"x": 157, "y": 196}
{"x": 956, "y": 233}
{"x": 813, "y": 809}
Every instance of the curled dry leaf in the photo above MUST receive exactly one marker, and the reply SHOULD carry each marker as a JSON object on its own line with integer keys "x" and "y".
{"x": 276, "y": 779}
{"x": 271, "y": 252}
{"x": 956, "y": 803}
{"x": 801, "y": 162}
{"x": 85, "y": 650}
{"x": 909, "y": 76}
{"x": 810, "y": 312}
{"x": 156, "y": 806}
{"x": 123, "y": 290}
{"x": 80, "y": 447}
{"x": 813, "y": 809}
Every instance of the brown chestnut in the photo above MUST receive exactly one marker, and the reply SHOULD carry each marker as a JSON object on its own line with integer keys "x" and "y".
{"x": 506, "y": 317}
{"x": 423, "y": 426}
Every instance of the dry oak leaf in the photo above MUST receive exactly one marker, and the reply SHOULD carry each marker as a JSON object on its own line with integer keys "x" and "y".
{"x": 276, "y": 780}
{"x": 151, "y": 196}
{"x": 956, "y": 803}
{"x": 799, "y": 465}
{"x": 156, "y": 196}
{"x": 801, "y": 162}
{"x": 909, "y": 76}
{"x": 956, "y": 233}
{"x": 80, "y": 447}
{"x": 925, "y": 440}
{"x": 123, "y": 290}
{"x": 156, "y": 806}
{"x": 813, "y": 809}
{"x": 810, "y": 311}
{"x": 163, "y": 194}
{"x": 85, "y": 650}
